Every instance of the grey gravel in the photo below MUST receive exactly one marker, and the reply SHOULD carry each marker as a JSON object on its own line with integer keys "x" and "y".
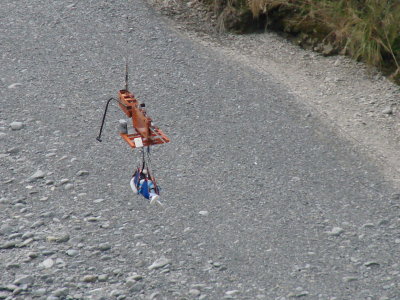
{"x": 274, "y": 176}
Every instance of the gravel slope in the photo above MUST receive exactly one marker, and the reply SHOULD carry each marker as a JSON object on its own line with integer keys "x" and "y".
{"x": 262, "y": 199}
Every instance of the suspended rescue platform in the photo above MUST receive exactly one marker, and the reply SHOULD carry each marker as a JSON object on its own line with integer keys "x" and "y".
{"x": 146, "y": 133}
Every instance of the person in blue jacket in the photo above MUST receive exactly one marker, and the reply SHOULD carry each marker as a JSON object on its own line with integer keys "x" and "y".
{"x": 142, "y": 184}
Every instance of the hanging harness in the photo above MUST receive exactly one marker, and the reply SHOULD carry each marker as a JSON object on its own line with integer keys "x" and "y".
{"x": 145, "y": 183}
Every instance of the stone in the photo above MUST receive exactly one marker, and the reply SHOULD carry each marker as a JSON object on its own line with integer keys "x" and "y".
{"x": 25, "y": 243}
{"x": 155, "y": 296}
{"x": 103, "y": 277}
{"x": 232, "y": 292}
{"x": 159, "y": 263}
{"x": 6, "y": 229}
{"x": 32, "y": 255}
{"x": 13, "y": 150}
{"x": 82, "y": 173}
{"x": 48, "y": 263}
{"x": 89, "y": 278}
{"x": 72, "y": 252}
{"x": 204, "y": 213}
{"x": 8, "y": 245}
{"x": 131, "y": 280}
{"x": 2, "y": 135}
{"x": 37, "y": 175}
{"x": 137, "y": 287}
{"x": 61, "y": 293}
{"x": 24, "y": 279}
{"x": 116, "y": 293}
{"x": 14, "y": 85}
{"x": 104, "y": 247}
{"x": 194, "y": 292}
{"x": 336, "y": 231}
{"x": 349, "y": 279}
{"x": 39, "y": 292}
{"x": 387, "y": 111}
{"x": 16, "y": 126}
{"x": 371, "y": 264}
{"x": 62, "y": 238}
{"x": 27, "y": 235}
{"x": 68, "y": 186}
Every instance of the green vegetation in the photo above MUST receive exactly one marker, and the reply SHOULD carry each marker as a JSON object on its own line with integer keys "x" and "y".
{"x": 368, "y": 30}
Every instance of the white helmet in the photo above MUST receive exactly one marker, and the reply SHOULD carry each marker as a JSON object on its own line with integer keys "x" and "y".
{"x": 144, "y": 171}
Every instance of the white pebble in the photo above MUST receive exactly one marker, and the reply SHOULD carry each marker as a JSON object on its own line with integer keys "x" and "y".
{"x": 159, "y": 263}
{"x": 14, "y": 85}
{"x": 16, "y": 125}
{"x": 336, "y": 231}
{"x": 48, "y": 263}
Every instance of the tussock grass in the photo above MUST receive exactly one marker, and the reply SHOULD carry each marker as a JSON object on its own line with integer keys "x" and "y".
{"x": 368, "y": 30}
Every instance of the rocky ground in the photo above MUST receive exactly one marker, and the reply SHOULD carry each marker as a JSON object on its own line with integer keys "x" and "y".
{"x": 262, "y": 199}
{"x": 361, "y": 104}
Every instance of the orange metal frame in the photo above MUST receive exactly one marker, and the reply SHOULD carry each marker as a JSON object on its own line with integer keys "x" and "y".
{"x": 149, "y": 133}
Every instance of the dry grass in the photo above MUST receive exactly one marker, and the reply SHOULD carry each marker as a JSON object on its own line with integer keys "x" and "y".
{"x": 368, "y": 30}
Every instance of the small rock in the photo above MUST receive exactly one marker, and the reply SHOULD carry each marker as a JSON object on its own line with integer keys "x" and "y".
{"x": 37, "y": 175}
{"x": 61, "y": 293}
{"x": 13, "y": 150}
{"x": 137, "y": 287}
{"x": 24, "y": 279}
{"x": 387, "y": 111}
{"x": 155, "y": 296}
{"x": 12, "y": 265}
{"x": 159, "y": 263}
{"x": 194, "y": 292}
{"x": 48, "y": 263}
{"x": 68, "y": 186}
{"x": 89, "y": 278}
{"x": 6, "y": 229}
{"x": 59, "y": 239}
{"x": 60, "y": 263}
{"x": 16, "y": 126}
{"x": 72, "y": 252}
{"x": 64, "y": 181}
{"x": 14, "y": 85}
{"x": 232, "y": 292}
{"x": 104, "y": 247}
{"x": 8, "y": 287}
{"x": 8, "y": 245}
{"x": 131, "y": 280}
{"x": 33, "y": 255}
{"x": 371, "y": 264}
{"x": 103, "y": 277}
{"x": 349, "y": 279}
{"x": 203, "y": 213}
{"x": 27, "y": 235}
{"x": 82, "y": 173}
{"x": 98, "y": 200}
{"x": 39, "y": 292}
{"x": 116, "y": 293}
{"x": 2, "y": 135}
{"x": 25, "y": 243}
{"x": 336, "y": 231}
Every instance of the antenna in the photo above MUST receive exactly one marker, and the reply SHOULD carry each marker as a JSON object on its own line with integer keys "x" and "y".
{"x": 126, "y": 74}
{"x": 126, "y": 58}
